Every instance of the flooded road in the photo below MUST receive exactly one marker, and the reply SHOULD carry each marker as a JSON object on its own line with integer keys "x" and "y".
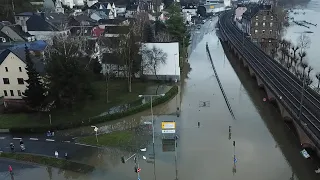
{"x": 265, "y": 148}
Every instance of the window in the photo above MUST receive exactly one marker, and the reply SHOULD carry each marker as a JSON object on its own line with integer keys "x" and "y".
{"x": 257, "y": 17}
{"x": 256, "y": 31}
{"x": 270, "y": 32}
{"x": 20, "y": 69}
{"x": 6, "y": 81}
{"x": 20, "y": 81}
{"x": 263, "y": 31}
{"x": 19, "y": 93}
{"x": 11, "y": 93}
{"x": 271, "y": 18}
{"x": 271, "y": 24}
{"x": 264, "y": 18}
{"x": 6, "y": 69}
{"x": 257, "y": 23}
{"x": 264, "y": 24}
{"x": 5, "y": 92}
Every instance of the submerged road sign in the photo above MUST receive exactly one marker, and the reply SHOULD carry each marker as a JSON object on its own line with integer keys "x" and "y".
{"x": 168, "y": 125}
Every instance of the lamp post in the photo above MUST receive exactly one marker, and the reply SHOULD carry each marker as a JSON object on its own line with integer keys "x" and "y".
{"x": 152, "y": 121}
{"x": 96, "y": 131}
{"x": 175, "y": 76}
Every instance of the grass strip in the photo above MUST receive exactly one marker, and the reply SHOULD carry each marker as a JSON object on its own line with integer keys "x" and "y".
{"x": 114, "y": 139}
{"x": 49, "y": 161}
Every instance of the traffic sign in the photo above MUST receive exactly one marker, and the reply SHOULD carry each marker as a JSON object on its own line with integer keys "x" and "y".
{"x": 168, "y": 131}
{"x": 168, "y": 125}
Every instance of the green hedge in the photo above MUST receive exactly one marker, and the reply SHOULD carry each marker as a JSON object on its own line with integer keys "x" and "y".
{"x": 50, "y": 161}
{"x": 68, "y": 125}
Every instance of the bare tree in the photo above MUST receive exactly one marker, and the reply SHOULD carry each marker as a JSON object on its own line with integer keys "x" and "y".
{"x": 309, "y": 70}
{"x": 318, "y": 78}
{"x": 162, "y": 37}
{"x": 153, "y": 58}
{"x": 139, "y": 24}
{"x": 304, "y": 42}
{"x": 304, "y": 65}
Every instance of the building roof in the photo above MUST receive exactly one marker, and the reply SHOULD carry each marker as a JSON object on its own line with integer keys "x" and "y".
{"x": 18, "y": 29}
{"x": 117, "y": 30}
{"x": 25, "y": 14}
{"x": 254, "y": 8}
{"x": 33, "y": 46}
{"x": 47, "y": 22}
{"x": 116, "y": 21}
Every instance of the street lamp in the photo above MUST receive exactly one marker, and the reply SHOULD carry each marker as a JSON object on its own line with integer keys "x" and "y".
{"x": 96, "y": 130}
{"x": 152, "y": 121}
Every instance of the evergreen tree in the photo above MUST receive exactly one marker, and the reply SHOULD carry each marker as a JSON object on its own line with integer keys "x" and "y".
{"x": 34, "y": 94}
{"x": 96, "y": 66}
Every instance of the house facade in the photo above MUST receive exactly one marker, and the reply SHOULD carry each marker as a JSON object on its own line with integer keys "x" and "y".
{"x": 13, "y": 75}
{"x": 262, "y": 24}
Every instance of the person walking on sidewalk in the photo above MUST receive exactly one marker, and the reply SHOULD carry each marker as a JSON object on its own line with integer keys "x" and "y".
{"x": 56, "y": 154}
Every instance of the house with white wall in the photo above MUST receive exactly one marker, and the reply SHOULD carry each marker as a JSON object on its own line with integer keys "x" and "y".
{"x": 170, "y": 70}
{"x": 13, "y": 73}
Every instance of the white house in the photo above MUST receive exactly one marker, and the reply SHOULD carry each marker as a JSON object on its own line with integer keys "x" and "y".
{"x": 13, "y": 73}
{"x": 169, "y": 70}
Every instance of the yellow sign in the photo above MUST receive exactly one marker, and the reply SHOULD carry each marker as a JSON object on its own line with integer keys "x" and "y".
{"x": 211, "y": 7}
{"x": 168, "y": 125}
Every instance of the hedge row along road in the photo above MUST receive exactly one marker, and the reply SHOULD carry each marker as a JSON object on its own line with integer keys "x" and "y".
{"x": 42, "y": 129}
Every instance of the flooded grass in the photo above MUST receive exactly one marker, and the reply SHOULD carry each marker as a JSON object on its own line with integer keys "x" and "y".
{"x": 114, "y": 139}
{"x": 119, "y": 99}
{"x": 50, "y": 161}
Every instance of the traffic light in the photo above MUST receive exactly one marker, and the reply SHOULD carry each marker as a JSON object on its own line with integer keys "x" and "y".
{"x": 234, "y": 143}
{"x": 136, "y": 169}
{"x": 123, "y": 160}
{"x": 135, "y": 159}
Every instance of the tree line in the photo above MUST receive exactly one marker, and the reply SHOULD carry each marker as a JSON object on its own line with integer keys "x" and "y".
{"x": 293, "y": 58}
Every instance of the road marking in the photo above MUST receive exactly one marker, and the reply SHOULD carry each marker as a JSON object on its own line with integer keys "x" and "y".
{"x": 17, "y": 138}
{"x": 49, "y": 139}
{"x": 2, "y": 137}
{"x": 84, "y": 145}
{"x": 66, "y": 141}
{"x": 34, "y": 139}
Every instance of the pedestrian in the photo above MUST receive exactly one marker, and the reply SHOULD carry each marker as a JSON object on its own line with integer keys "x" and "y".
{"x": 66, "y": 155}
{"x": 52, "y": 134}
{"x": 56, "y": 154}
{"x": 21, "y": 142}
{"x": 10, "y": 169}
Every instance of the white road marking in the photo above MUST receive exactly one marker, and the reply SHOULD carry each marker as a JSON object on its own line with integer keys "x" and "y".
{"x": 2, "y": 137}
{"x": 49, "y": 139}
{"x": 17, "y": 138}
{"x": 34, "y": 139}
{"x": 84, "y": 145}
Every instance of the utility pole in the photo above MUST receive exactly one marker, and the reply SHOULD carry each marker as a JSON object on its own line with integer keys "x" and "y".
{"x": 12, "y": 4}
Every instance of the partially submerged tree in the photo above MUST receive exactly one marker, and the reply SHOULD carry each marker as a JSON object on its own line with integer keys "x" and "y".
{"x": 304, "y": 42}
{"x": 68, "y": 78}
{"x": 153, "y": 58}
{"x": 34, "y": 95}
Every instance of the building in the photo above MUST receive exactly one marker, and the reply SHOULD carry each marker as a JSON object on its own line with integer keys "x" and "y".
{"x": 261, "y": 23}
{"x": 169, "y": 71}
{"x": 44, "y": 26}
{"x": 81, "y": 25}
{"x": 13, "y": 73}
{"x": 14, "y": 33}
